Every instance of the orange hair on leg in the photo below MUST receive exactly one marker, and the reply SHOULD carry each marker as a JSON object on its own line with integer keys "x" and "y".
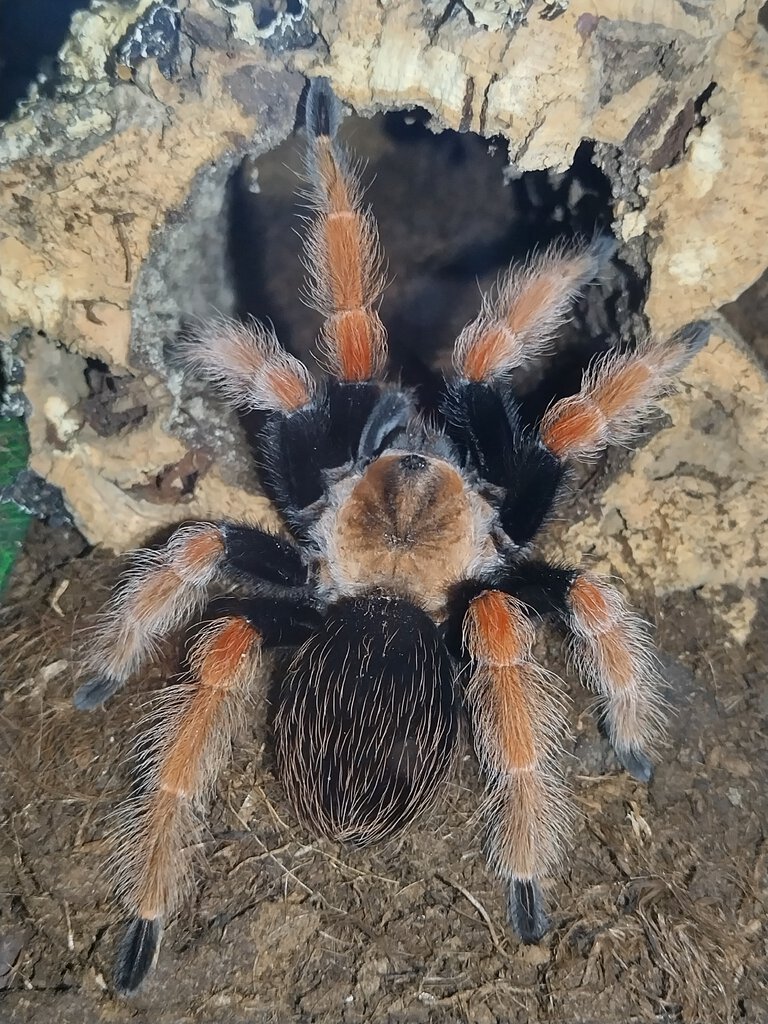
{"x": 158, "y": 832}
{"x": 612, "y": 650}
{"x": 618, "y": 394}
{"x": 519, "y": 319}
{"x": 518, "y": 723}
{"x": 342, "y": 252}
{"x": 160, "y": 592}
{"x": 248, "y": 364}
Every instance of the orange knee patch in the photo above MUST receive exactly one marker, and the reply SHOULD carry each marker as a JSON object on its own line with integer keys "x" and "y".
{"x": 498, "y": 631}
{"x": 596, "y": 606}
{"x": 290, "y": 390}
{"x": 221, "y": 651}
{"x": 485, "y": 354}
{"x": 199, "y": 552}
{"x": 572, "y": 425}
{"x": 355, "y": 338}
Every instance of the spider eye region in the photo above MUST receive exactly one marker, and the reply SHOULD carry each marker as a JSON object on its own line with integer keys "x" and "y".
{"x": 409, "y": 526}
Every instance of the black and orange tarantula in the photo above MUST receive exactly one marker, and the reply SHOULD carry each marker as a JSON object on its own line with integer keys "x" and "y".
{"x": 407, "y": 571}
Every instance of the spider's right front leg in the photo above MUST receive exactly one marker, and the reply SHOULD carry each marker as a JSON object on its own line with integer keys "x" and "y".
{"x": 517, "y": 721}
{"x": 165, "y": 588}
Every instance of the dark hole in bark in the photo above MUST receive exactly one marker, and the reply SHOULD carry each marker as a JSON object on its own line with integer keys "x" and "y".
{"x": 109, "y": 406}
{"x": 762, "y": 16}
{"x": 31, "y": 34}
{"x": 451, "y": 217}
{"x": 749, "y": 315}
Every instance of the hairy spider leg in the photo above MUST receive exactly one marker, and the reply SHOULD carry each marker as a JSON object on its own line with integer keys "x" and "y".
{"x": 342, "y": 254}
{"x": 520, "y": 317}
{"x": 164, "y": 588}
{"x": 484, "y": 422}
{"x": 195, "y": 724}
{"x": 617, "y": 394}
{"x": 518, "y": 723}
{"x": 610, "y": 648}
{"x": 249, "y": 365}
{"x": 517, "y": 323}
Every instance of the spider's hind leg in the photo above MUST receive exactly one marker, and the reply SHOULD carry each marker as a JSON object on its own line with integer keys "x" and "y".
{"x": 194, "y": 728}
{"x": 158, "y": 830}
{"x": 518, "y": 722}
{"x": 611, "y": 650}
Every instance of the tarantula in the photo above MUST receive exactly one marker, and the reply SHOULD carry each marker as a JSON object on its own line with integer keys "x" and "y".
{"x": 406, "y": 587}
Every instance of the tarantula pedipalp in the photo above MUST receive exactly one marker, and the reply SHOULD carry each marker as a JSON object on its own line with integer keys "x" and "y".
{"x": 408, "y": 561}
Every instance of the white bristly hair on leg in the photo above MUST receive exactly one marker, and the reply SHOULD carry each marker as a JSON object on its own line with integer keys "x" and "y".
{"x": 248, "y": 365}
{"x": 521, "y": 315}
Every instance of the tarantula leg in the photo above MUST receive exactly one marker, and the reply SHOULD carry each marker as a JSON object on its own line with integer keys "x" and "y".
{"x": 158, "y": 831}
{"x": 612, "y": 650}
{"x": 617, "y": 394}
{"x": 518, "y": 721}
{"x": 165, "y": 588}
{"x": 518, "y": 320}
{"x": 249, "y": 365}
{"x": 342, "y": 254}
{"x": 525, "y": 911}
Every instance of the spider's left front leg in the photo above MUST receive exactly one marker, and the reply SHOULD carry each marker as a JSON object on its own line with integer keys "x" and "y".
{"x": 611, "y": 649}
{"x": 517, "y": 721}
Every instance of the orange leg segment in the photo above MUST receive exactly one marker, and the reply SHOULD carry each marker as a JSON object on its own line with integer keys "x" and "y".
{"x": 518, "y": 722}
{"x": 248, "y": 364}
{"x": 518, "y": 321}
{"x": 157, "y": 595}
{"x": 342, "y": 251}
{"x": 617, "y": 395}
{"x": 612, "y": 651}
{"x": 158, "y": 832}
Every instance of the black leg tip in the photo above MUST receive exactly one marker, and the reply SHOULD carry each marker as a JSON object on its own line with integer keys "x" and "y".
{"x": 693, "y": 337}
{"x": 93, "y": 693}
{"x": 136, "y": 954}
{"x": 525, "y": 911}
{"x": 636, "y": 763}
{"x": 603, "y": 249}
{"x": 323, "y": 114}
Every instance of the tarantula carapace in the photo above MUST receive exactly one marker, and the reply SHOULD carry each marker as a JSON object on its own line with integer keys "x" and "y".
{"x": 405, "y": 587}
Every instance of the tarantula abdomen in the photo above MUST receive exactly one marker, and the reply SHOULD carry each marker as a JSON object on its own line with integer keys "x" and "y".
{"x": 366, "y": 724}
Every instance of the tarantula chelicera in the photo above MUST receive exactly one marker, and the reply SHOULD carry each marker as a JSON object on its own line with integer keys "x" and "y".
{"x": 405, "y": 587}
